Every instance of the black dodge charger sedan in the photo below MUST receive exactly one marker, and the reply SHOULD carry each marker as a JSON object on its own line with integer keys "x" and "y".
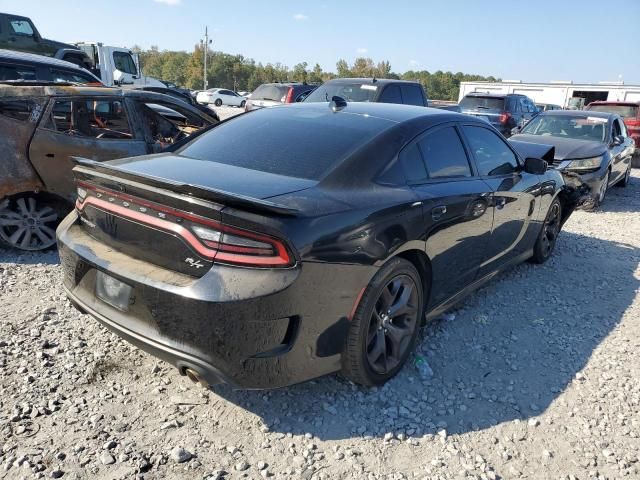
{"x": 297, "y": 241}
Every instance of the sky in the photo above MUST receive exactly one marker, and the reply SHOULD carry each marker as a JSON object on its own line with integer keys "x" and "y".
{"x": 541, "y": 41}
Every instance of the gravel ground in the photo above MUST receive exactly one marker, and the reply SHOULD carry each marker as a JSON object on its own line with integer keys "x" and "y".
{"x": 537, "y": 376}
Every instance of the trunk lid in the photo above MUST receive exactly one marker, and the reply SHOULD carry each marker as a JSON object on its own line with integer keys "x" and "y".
{"x": 176, "y": 224}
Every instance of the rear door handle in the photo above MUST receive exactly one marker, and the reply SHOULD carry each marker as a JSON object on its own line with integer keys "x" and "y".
{"x": 438, "y": 212}
{"x": 50, "y": 155}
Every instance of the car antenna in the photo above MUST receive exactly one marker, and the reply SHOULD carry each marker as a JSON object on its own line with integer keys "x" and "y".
{"x": 337, "y": 103}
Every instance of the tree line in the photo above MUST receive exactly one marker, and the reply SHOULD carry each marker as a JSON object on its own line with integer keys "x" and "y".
{"x": 236, "y": 72}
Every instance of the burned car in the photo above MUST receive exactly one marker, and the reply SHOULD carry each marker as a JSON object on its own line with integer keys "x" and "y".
{"x": 42, "y": 127}
{"x": 298, "y": 241}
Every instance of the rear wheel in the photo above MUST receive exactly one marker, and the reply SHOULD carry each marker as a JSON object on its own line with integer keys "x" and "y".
{"x": 218, "y": 102}
{"x": 546, "y": 241}
{"x": 28, "y": 222}
{"x": 384, "y": 328}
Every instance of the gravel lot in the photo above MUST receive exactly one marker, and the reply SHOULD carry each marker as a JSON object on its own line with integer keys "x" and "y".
{"x": 538, "y": 376}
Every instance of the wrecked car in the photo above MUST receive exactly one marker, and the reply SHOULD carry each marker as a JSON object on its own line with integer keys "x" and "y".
{"x": 595, "y": 146}
{"x": 299, "y": 241}
{"x": 42, "y": 127}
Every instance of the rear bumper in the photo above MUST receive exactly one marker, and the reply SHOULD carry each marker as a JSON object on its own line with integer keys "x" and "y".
{"x": 249, "y": 328}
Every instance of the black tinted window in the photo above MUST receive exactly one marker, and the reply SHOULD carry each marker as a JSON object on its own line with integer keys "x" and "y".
{"x": 69, "y": 76}
{"x": 17, "y": 109}
{"x": 413, "y": 164}
{"x": 17, "y": 72}
{"x": 491, "y": 152}
{"x": 293, "y": 141}
{"x": 482, "y": 103}
{"x": 444, "y": 154}
{"x": 391, "y": 94}
{"x": 412, "y": 95}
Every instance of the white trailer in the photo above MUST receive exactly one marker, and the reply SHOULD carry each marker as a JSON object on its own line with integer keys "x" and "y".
{"x": 116, "y": 65}
{"x": 557, "y": 92}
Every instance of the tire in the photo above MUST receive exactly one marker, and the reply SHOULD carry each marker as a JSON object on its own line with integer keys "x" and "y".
{"x": 243, "y": 103}
{"x": 28, "y": 222}
{"x": 626, "y": 179}
{"x": 218, "y": 102}
{"x": 546, "y": 241}
{"x": 603, "y": 189}
{"x": 378, "y": 345}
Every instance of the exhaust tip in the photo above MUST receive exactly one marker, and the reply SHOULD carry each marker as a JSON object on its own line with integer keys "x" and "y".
{"x": 196, "y": 378}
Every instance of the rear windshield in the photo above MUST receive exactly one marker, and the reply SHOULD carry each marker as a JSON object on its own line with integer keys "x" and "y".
{"x": 622, "y": 110}
{"x": 291, "y": 141}
{"x": 277, "y": 93}
{"x": 351, "y": 92}
{"x": 482, "y": 103}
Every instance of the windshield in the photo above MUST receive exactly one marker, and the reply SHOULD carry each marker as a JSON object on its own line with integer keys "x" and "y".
{"x": 565, "y": 126}
{"x": 482, "y": 103}
{"x": 351, "y": 92}
{"x": 622, "y": 110}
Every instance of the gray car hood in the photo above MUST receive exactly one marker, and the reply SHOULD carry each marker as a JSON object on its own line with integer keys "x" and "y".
{"x": 566, "y": 148}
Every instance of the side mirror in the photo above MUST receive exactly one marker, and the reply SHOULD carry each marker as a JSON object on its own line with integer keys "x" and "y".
{"x": 535, "y": 166}
{"x": 118, "y": 76}
{"x": 618, "y": 140}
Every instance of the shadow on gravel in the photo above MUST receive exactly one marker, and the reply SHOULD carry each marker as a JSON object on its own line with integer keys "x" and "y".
{"x": 623, "y": 200}
{"x": 11, "y": 255}
{"x": 512, "y": 349}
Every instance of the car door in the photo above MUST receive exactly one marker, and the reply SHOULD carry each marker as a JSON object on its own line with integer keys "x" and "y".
{"x": 21, "y": 36}
{"x": 515, "y": 201}
{"x": 619, "y": 152}
{"x": 455, "y": 203}
{"x": 96, "y": 128}
{"x": 229, "y": 98}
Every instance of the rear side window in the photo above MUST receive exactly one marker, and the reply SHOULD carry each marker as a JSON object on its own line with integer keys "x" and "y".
{"x": 17, "y": 72}
{"x": 17, "y": 109}
{"x": 413, "y": 164}
{"x": 101, "y": 119}
{"x": 293, "y": 142}
{"x": 412, "y": 95}
{"x": 444, "y": 154}
{"x": 391, "y": 94}
{"x": 492, "y": 154}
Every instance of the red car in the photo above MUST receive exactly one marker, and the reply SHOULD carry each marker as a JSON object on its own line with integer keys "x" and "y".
{"x": 629, "y": 111}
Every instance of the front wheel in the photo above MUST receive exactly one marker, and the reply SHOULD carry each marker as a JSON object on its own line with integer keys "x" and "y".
{"x": 385, "y": 326}
{"x": 602, "y": 193}
{"x": 243, "y": 103}
{"x": 218, "y": 102}
{"x": 546, "y": 241}
{"x": 626, "y": 179}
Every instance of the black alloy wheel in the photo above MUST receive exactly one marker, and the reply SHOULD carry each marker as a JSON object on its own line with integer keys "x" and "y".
{"x": 546, "y": 242}
{"x": 385, "y": 326}
{"x": 28, "y": 223}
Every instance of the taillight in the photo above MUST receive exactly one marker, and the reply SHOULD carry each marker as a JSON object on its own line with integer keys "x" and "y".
{"x": 504, "y": 117}
{"x": 241, "y": 247}
{"x": 289, "y": 98}
{"x": 216, "y": 241}
{"x": 633, "y": 124}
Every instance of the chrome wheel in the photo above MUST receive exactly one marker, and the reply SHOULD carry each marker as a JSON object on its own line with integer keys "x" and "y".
{"x": 392, "y": 324}
{"x": 26, "y": 224}
{"x": 550, "y": 230}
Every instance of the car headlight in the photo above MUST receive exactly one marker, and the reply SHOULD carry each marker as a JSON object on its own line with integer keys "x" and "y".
{"x": 591, "y": 163}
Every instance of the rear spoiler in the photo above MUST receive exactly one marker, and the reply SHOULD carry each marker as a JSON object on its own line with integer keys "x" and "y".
{"x": 534, "y": 150}
{"x": 99, "y": 169}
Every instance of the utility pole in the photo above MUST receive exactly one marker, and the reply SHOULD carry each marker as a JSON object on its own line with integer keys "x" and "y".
{"x": 205, "y": 44}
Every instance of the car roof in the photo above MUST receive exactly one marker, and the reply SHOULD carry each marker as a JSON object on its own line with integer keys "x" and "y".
{"x": 605, "y": 102}
{"x": 392, "y": 112}
{"x": 24, "y": 57}
{"x": 369, "y": 80}
{"x": 579, "y": 113}
{"x": 494, "y": 95}
{"x": 7, "y": 90}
